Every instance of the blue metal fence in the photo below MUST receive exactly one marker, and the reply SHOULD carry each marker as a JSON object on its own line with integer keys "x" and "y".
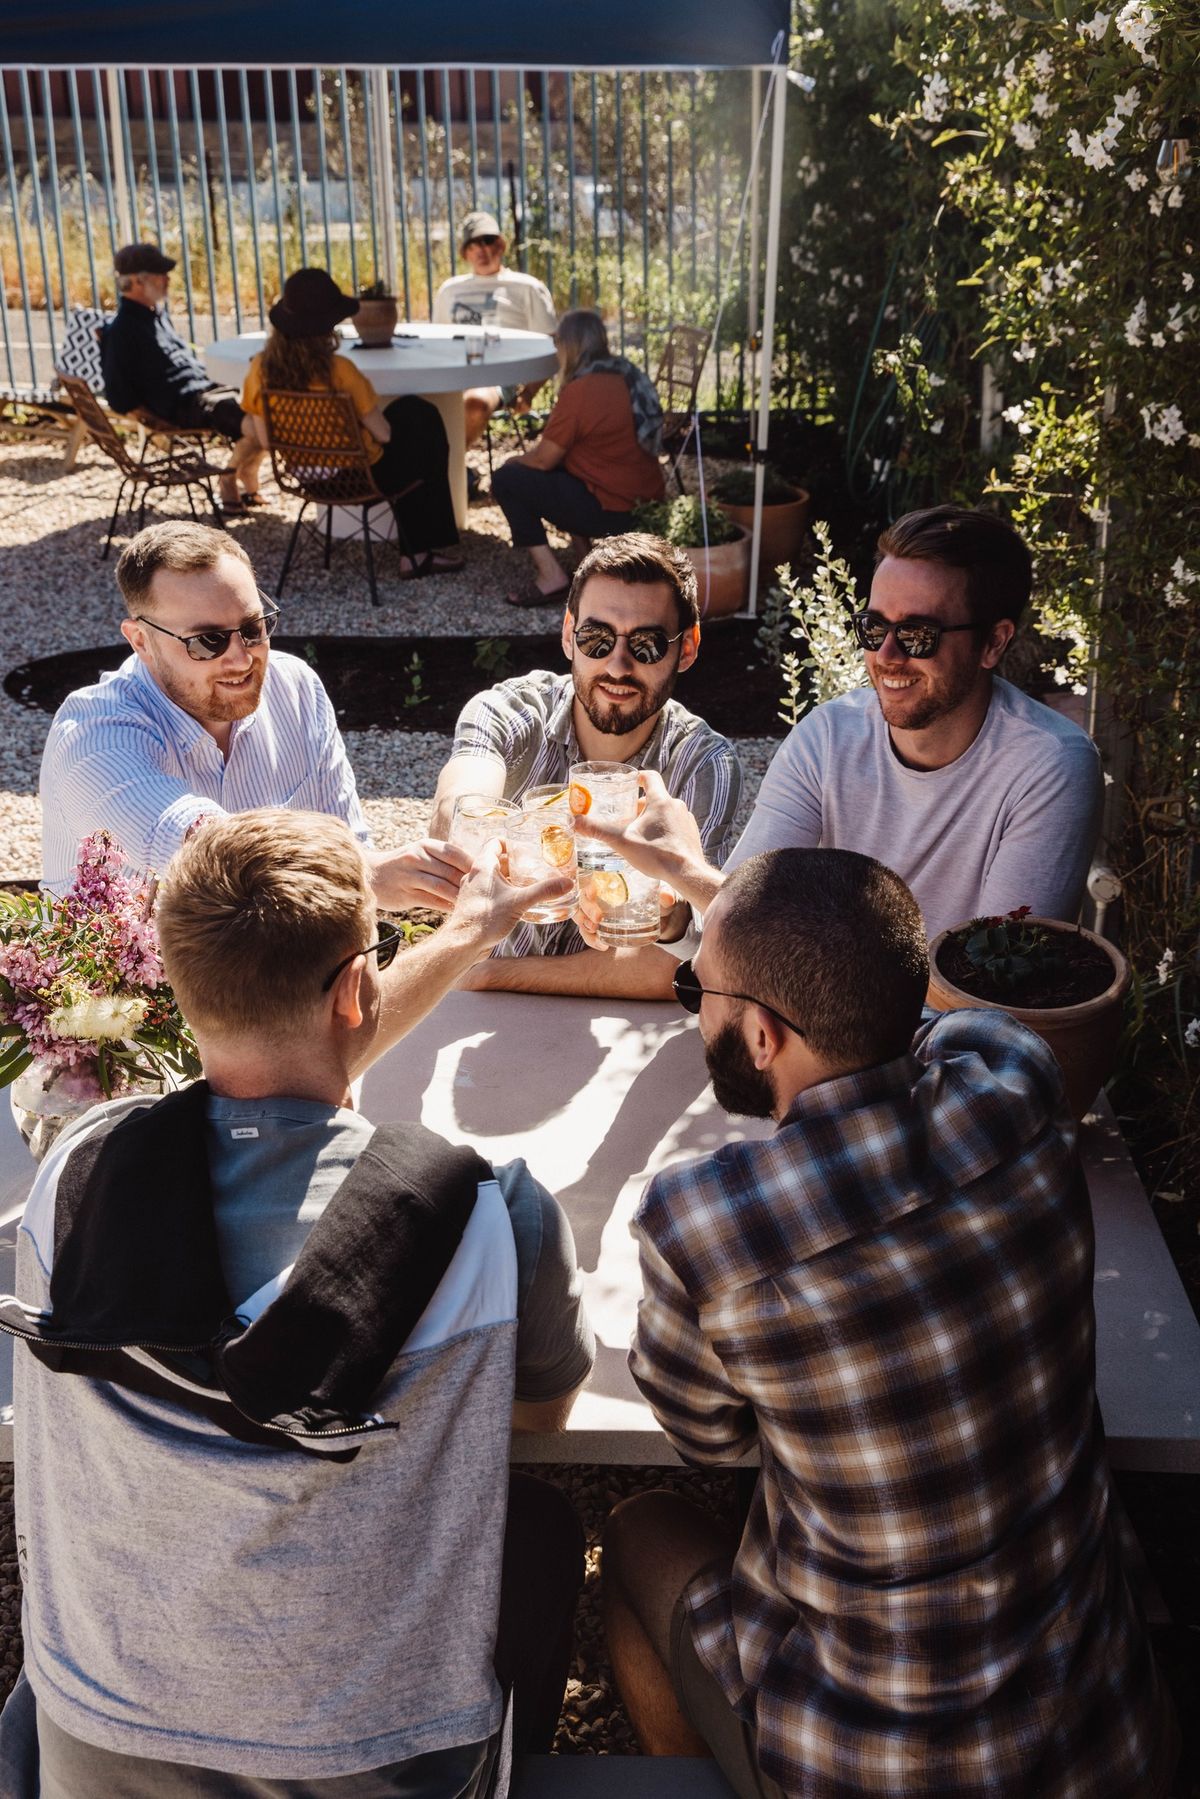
{"x": 619, "y": 189}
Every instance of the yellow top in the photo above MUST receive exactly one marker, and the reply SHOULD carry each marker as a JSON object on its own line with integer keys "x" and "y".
{"x": 346, "y": 380}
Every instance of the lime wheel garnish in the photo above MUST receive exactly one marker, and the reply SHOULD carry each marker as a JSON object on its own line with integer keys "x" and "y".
{"x": 610, "y": 887}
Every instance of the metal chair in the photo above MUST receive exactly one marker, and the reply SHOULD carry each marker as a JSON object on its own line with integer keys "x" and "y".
{"x": 318, "y": 455}
{"x": 183, "y": 465}
{"x": 678, "y": 382}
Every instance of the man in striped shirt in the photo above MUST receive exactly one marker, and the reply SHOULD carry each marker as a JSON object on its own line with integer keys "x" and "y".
{"x": 203, "y": 719}
{"x": 632, "y": 626}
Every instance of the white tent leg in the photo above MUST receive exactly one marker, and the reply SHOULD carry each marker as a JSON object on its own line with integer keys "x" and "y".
{"x": 752, "y": 292}
{"x": 385, "y": 186}
{"x": 770, "y": 283}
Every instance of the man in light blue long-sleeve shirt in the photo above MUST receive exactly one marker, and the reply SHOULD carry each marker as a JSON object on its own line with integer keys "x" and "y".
{"x": 201, "y": 720}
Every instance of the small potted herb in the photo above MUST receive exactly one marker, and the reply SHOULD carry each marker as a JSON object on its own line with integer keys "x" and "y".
{"x": 723, "y": 569}
{"x": 1065, "y": 983}
{"x": 377, "y": 315}
{"x": 784, "y": 516}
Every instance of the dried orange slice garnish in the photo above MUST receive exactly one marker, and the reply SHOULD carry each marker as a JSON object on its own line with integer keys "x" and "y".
{"x": 610, "y": 887}
{"x": 558, "y": 846}
{"x": 580, "y": 800}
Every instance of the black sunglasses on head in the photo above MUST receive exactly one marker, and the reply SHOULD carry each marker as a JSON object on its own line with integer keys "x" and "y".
{"x": 206, "y": 646}
{"x": 917, "y": 637}
{"x": 690, "y": 993}
{"x": 385, "y": 947}
{"x": 647, "y": 643}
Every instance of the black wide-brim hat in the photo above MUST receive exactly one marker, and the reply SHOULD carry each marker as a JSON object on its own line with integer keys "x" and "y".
{"x": 311, "y": 304}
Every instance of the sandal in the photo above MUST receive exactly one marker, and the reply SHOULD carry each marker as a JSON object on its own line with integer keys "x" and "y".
{"x": 255, "y": 502}
{"x": 533, "y": 596}
{"x": 430, "y": 563}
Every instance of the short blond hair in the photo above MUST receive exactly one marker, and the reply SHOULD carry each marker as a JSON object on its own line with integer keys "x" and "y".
{"x": 252, "y": 914}
{"x": 181, "y": 546}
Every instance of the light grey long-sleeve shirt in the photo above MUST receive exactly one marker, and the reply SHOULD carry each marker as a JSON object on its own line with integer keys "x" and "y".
{"x": 1013, "y": 822}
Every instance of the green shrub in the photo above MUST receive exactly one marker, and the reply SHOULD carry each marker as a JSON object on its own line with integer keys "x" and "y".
{"x": 681, "y": 522}
{"x": 736, "y": 487}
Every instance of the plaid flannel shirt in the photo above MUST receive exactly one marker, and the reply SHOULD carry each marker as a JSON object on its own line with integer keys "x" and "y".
{"x": 526, "y": 724}
{"x": 892, "y": 1296}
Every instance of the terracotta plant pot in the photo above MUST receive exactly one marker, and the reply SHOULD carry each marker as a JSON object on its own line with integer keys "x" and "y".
{"x": 375, "y": 321}
{"x": 723, "y": 576}
{"x": 1083, "y": 1037}
{"x": 783, "y": 528}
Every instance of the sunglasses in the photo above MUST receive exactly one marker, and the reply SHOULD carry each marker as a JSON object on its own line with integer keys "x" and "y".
{"x": 917, "y": 637}
{"x": 647, "y": 643}
{"x": 690, "y": 993}
{"x": 206, "y": 646}
{"x": 487, "y": 242}
{"x": 385, "y": 947}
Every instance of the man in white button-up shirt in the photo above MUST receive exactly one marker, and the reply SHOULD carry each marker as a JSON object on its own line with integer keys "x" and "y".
{"x": 202, "y": 719}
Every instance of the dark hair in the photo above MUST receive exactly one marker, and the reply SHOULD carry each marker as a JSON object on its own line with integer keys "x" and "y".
{"x": 181, "y": 546}
{"x": 992, "y": 555}
{"x": 640, "y": 561}
{"x": 833, "y": 940}
{"x": 298, "y": 364}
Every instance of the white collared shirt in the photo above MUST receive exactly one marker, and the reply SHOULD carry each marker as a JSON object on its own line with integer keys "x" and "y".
{"x": 123, "y": 757}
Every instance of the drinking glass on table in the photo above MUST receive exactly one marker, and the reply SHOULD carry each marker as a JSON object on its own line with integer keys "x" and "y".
{"x": 475, "y": 345}
{"x": 607, "y": 792}
{"x": 478, "y": 817}
{"x": 541, "y": 841}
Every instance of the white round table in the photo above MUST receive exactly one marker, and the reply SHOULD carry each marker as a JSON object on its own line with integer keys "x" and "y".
{"x": 430, "y": 360}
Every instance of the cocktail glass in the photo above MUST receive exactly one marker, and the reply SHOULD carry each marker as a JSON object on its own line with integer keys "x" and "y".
{"x": 627, "y": 901}
{"x": 541, "y": 841}
{"x": 478, "y": 817}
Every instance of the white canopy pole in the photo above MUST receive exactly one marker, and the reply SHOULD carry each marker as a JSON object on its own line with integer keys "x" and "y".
{"x": 385, "y": 186}
{"x": 752, "y": 293}
{"x": 770, "y": 283}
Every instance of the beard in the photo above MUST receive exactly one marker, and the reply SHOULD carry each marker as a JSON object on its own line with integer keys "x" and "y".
{"x": 204, "y": 701}
{"x": 616, "y": 721}
{"x": 914, "y": 709}
{"x": 738, "y": 1086}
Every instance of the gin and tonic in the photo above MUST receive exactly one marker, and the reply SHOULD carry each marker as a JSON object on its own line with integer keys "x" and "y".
{"x": 478, "y": 817}
{"x": 541, "y": 841}
{"x": 607, "y": 792}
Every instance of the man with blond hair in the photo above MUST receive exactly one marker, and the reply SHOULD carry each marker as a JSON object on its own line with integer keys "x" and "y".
{"x": 273, "y": 1359}
{"x": 203, "y": 719}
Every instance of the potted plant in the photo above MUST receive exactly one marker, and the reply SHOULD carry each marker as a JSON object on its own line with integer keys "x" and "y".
{"x": 784, "y": 514}
{"x": 377, "y": 315}
{"x": 1065, "y": 983}
{"x": 723, "y": 568}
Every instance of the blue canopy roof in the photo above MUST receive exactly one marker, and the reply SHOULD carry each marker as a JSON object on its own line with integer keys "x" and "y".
{"x": 604, "y": 34}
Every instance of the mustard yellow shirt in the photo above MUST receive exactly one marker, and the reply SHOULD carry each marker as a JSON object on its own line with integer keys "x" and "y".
{"x": 346, "y": 380}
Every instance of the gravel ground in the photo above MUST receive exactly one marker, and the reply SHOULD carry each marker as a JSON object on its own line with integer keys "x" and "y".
{"x": 56, "y": 594}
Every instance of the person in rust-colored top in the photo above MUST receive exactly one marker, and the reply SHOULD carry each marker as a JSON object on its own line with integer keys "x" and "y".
{"x": 596, "y": 459}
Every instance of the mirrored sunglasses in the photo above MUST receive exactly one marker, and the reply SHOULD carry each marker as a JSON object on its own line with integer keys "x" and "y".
{"x": 206, "y": 646}
{"x": 647, "y": 643}
{"x": 916, "y": 637}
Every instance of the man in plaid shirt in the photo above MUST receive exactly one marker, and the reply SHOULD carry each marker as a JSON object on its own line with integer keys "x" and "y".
{"x": 892, "y": 1299}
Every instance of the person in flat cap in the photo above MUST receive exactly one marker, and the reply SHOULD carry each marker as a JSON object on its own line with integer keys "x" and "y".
{"x": 405, "y": 440}
{"x": 492, "y": 296}
{"x": 151, "y": 373}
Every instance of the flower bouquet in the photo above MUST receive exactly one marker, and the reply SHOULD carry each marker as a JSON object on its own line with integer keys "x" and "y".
{"x": 85, "y": 1011}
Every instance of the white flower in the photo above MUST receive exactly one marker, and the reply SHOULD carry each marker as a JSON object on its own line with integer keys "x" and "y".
{"x": 1175, "y": 197}
{"x": 1043, "y": 65}
{"x": 1043, "y": 105}
{"x": 1189, "y": 281}
{"x": 1137, "y": 24}
{"x": 1136, "y": 179}
{"x": 1014, "y": 414}
{"x": 1156, "y": 201}
{"x": 1164, "y": 967}
{"x": 1096, "y": 154}
{"x": 1108, "y": 780}
{"x": 1192, "y": 1034}
{"x": 1075, "y": 143}
{"x": 1096, "y": 26}
{"x": 1163, "y": 423}
{"x": 957, "y": 6}
{"x": 98, "y": 1016}
{"x": 1025, "y": 135}
{"x": 1125, "y": 104}
{"x": 1175, "y": 596}
{"x": 1135, "y": 324}
{"x": 1182, "y": 573}
{"x": 935, "y": 99}
{"x": 1194, "y": 440}
{"x": 936, "y": 380}
{"x": 1061, "y": 677}
{"x": 936, "y": 427}
{"x": 1024, "y": 352}
{"x": 1158, "y": 340}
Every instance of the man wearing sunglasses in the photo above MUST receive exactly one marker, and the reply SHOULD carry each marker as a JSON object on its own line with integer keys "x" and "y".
{"x": 492, "y": 296}
{"x": 631, "y": 628}
{"x": 203, "y": 719}
{"x": 891, "y": 1298}
{"x": 980, "y": 797}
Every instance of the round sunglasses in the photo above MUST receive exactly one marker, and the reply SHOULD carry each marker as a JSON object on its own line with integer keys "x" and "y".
{"x": 647, "y": 643}
{"x": 916, "y": 637}
{"x": 385, "y": 947}
{"x": 690, "y": 993}
{"x": 206, "y": 646}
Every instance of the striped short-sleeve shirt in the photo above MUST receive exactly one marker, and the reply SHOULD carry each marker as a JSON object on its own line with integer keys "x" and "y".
{"x": 526, "y": 726}
{"x": 123, "y": 757}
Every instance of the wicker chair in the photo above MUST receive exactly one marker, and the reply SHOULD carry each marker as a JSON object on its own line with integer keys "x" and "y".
{"x": 183, "y": 464}
{"x": 678, "y": 383}
{"x": 318, "y": 455}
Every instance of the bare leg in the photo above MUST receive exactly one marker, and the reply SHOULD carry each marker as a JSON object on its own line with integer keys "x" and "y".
{"x": 548, "y": 571}
{"x": 246, "y": 461}
{"x": 653, "y": 1545}
{"x": 479, "y": 403}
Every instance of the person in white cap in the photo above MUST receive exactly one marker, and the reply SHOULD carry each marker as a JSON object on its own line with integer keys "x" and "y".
{"x": 492, "y": 295}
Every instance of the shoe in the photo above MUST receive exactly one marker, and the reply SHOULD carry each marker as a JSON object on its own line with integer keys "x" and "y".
{"x": 255, "y": 502}
{"x": 533, "y": 596}
{"x": 430, "y": 563}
